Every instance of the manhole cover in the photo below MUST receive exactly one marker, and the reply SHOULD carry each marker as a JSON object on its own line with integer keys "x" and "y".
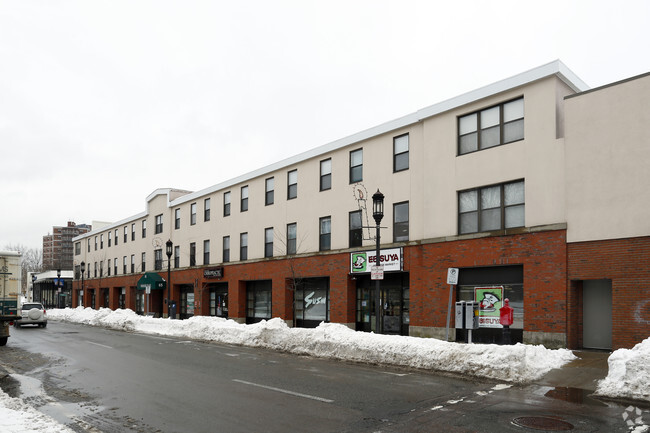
{"x": 542, "y": 423}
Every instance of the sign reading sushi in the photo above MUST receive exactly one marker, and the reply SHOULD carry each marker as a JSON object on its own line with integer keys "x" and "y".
{"x": 390, "y": 259}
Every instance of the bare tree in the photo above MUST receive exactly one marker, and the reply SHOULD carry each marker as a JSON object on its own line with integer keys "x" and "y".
{"x": 295, "y": 279}
{"x": 31, "y": 261}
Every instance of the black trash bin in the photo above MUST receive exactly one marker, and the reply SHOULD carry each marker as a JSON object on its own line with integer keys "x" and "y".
{"x": 172, "y": 310}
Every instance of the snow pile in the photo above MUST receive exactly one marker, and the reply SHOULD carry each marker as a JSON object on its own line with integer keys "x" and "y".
{"x": 629, "y": 373}
{"x": 18, "y": 417}
{"x": 519, "y": 363}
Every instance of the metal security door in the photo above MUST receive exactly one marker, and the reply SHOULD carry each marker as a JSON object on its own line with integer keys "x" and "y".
{"x": 597, "y": 314}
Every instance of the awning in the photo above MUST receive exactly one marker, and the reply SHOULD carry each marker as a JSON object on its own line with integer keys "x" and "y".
{"x": 152, "y": 281}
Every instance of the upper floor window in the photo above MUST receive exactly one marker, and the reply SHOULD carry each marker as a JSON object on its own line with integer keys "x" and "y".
{"x": 226, "y": 249}
{"x": 356, "y": 232}
{"x": 206, "y": 252}
{"x": 117, "y": 235}
{"x": 326, "y": 174}
{"x": 101, "y": 241}
{"x": 292, "y": 233}
{"x": 243, "y": 246}
{"x": 243, "y": 205}
{"x": 144, "y": 262}
{"x": 123, "y": 265}
{"x": 226, "y": 203}
{"x": 401, "y": 222}
{"x": 193, "y": 214}
{"x": 269, "y": 188}
{"x": 193, "y": 254}
{"x": 159, "y": 224}
{"x": 401, "y": 153}
{"x": 88, "y": 245}
{"x": 144, "y": 228}
{"x": 110, "y": 235}
{"x": 491, "y": 127}
{"x": 268, "y": 242}
{"x": 133, "y": 231}
{"x": 206, "y": 209}
{"x": 77, "y": 248}
{"x": 292, "y": 184}
{"x": 108, "y": 268}
{"x": 157, "y": 259}
{"x": 126, "y": 233}
{"x": 490, "y": 208}
{"x": 133, "y": 263}
{"x": 177, "y": 218}
{"x": 325, "y": 234}
{"x": 115, "y": 265}
{"x": 177, "y": 256}
{"x": 356, "y": 166}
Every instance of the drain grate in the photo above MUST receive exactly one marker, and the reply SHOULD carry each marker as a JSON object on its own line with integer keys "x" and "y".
{"x": 542, "y": 423}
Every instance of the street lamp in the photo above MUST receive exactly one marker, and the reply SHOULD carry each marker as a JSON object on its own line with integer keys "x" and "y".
{"x": 378, "y": 214}
{"x": 33, "y": 283}
{"x": 58, "y": 287}
{"x": 83, "y": 269}
{"x": 169, "y": 245}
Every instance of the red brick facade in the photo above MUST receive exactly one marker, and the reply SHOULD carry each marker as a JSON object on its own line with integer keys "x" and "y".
{"x": 626, "y": 262}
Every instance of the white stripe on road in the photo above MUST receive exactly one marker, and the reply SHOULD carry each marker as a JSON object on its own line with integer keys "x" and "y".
{"x": 297, "y": 394}
{"x": 97, "y": 344}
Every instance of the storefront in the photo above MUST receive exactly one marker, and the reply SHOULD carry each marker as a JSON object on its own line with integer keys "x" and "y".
{"x": 489, "y": 286}
{"x": 149, "y": 294}
{"x": 312, "y": 304}
{"x": 394, "y": 292}
{"x": 258, "y": 301}
{"x": 218, "y": 299}
{"x": 187, "y": 301}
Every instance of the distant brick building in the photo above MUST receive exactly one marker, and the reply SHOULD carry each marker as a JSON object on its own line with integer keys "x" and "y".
{"x": 58, "y": 250}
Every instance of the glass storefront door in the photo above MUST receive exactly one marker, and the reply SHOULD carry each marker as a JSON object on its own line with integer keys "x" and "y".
{"x": 394, "y": 295}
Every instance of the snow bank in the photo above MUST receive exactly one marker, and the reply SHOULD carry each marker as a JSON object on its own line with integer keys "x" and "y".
{"x": 629, "y": 373}
{"x": 19, "y": 417}
{"x": 519, "y": 363}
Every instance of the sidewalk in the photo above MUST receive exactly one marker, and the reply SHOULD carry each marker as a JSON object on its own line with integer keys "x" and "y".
{"x": 582, "y": 373}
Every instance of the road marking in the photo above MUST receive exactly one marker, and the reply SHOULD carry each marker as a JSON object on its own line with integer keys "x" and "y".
{"x": 396, "y": 374}
{"x": 97, "y": 344}
{"x": 285, "y": 391}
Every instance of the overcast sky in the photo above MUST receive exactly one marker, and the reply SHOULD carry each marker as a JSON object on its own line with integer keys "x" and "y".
{"x": 102, "y": 102}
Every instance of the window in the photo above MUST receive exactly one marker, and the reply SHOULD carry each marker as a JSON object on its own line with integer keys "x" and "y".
{"x": 268, "y": 242}
{"x": 95, "y": 243}
{"x": 77, "y": 248}
{"x": 88, "y": 245}
{"x": 226, "y": 203}
{"x": 110, "y": 235}
{"x": 157, "y": 259}
{"x": 95, "y": 274}
{"x": 401, "y": 153}
{"x": 206, "y": 209}
{"x": 115, "y": 265}
{"x": 101, "y": 269}
{"x": 490, "y": 208}
{"x": 159, "y": 224}
{"x": 356, "y": 231}
{"x": 243, "y": 205}
{"x": 133, "y": 231}
{"x": 193, "y": 254}
{"x": 401, "y": 222}
{"x": 144, "y": 262}
{"x": 126, "y": 233}
{"x": 292, "y": 184}
{"x": 108, "y": 269}
{"x": 226, "y": 249}
{"x": 206, "y": 252}
{"x": 325, "y": 234}
{"x": 356, "y": 166}
{"x": 177, "y": 256}
{"x": 243, "y": 246}
{"x": 269, "y": 186}
{"x": 101, "y": 241}
{"x": 193, "y": 214}
{"x": 177, "y": 218}
{"x": 144, "y": 229}
{"x": 292, "y": 233}
{"x": 124, "y": 265}
{"x": 491, "y": 127}
{"x": 117, "y": 235}
{"x": 133, "y": 263}
{"x": 326, "y": 174}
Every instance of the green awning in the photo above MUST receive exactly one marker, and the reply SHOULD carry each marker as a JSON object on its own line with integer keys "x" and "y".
{"x": 151, "y": 280}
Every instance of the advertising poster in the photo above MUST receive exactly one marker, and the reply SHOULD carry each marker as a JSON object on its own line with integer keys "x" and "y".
{"x": 490, "y": 300}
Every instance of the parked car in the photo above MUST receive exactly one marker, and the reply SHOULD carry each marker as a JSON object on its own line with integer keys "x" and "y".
{"x": 32, "y": 313}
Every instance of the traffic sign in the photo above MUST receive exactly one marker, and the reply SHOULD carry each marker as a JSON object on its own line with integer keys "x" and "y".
{"x": 452, "y": 276}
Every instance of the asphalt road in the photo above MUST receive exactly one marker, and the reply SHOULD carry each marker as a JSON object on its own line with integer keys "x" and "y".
{"x": 98, "y": 380}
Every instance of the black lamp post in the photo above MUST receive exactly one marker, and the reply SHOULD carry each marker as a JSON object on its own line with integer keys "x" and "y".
{"x": 378, "y": 215}
{"x": 83, "y": 270}
{"x": 58, "y": 288}
{"x": 33, "y": 283}
{"x": 169, "y": 245}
